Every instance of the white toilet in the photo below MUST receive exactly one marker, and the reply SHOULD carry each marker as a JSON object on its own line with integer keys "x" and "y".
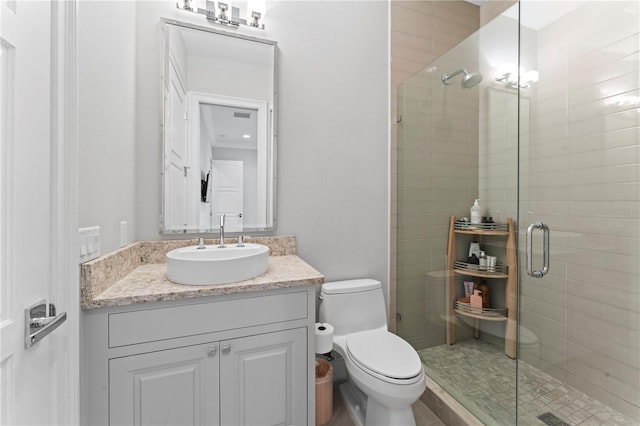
{"x": 385, "y": 372}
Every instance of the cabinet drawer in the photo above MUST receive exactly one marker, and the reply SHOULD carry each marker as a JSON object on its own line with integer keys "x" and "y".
{"x": 149, "y": 325}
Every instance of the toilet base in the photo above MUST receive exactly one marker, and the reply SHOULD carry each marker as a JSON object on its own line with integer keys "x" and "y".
{"x": 368, "y": 412}
{"x": 355, "y": 401}
{"x": 378, "y": 415}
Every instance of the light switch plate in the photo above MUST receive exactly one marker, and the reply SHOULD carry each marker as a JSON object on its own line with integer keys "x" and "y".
{"x": 89, "y": 243}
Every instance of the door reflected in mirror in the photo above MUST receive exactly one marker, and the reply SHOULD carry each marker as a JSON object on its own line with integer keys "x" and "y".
{"x": 218, "y": 130}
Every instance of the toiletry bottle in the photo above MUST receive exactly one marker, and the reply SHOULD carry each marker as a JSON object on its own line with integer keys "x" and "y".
{"x": 473, "y": 259}
{"x": 484, "y": 289}
{"x": 491, "y": 223}
{"x": 474, "y": 248}
{"x": 468, "y": 288}
{"x": 476, "y": 212}
{"x": 482, "y": 261}
{"x": 491, "y": 263}
{"x": 476, "y": 301}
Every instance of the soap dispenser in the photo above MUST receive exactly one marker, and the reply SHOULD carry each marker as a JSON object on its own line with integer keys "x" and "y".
{"x": 476, "y": 212}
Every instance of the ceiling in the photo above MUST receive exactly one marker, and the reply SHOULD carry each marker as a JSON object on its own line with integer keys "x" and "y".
{"x": 224, "y": 126}
{"x": 478, "y": 2}
{"x": 537, "y": 14}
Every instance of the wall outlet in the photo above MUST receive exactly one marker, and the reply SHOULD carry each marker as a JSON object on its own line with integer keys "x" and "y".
{"x": 89, "y": 243}
{"x": 123, "y": 233}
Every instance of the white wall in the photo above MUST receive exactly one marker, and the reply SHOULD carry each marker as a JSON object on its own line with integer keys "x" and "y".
{"x": 333, "y": 133}
{"x": 333, "y": 126}
{"x": 106, "y": 118}
{"x": 233, "y": 78}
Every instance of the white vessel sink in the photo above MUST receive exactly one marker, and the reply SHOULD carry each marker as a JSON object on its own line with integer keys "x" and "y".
{"x": 214, "y": 265}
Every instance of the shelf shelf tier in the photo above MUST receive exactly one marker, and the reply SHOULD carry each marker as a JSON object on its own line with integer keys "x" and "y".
{"x": 498, "y": 271}
{"x": 480, "y": 274}
{"x": 509, "y": 276}
{"x": 479, "y": 316}
{"x": 481, "y": 232}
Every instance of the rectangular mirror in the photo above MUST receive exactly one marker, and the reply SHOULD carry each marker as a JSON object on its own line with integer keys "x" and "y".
{"x": 219, "y": 119}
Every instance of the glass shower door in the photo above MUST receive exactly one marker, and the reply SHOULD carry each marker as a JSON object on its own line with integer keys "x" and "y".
{"x": 458, "y": 142}
{"x": 579, "y": 160}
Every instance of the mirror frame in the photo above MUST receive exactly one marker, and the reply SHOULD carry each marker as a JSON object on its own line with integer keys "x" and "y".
{"x": 272, "y": 125}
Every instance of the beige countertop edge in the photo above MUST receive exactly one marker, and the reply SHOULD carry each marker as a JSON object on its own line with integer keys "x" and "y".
{"x": 148, "y": 284}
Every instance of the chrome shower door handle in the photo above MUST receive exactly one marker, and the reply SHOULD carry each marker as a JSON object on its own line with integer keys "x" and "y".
{"x": 545, "y": 250}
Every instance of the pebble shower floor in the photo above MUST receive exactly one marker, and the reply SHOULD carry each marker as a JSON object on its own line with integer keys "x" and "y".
{"x": 483, "y": 379}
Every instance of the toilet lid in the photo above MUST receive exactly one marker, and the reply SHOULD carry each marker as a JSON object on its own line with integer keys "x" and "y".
{"x": 384, "y": 353}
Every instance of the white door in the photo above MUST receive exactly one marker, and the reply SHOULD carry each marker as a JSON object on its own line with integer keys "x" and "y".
{"x": 38, "y": 245}
{"x": 227, "y": 196}
{"x": 176, "y": 154}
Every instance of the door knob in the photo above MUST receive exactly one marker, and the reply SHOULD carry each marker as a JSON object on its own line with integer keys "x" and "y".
{"x": 226, "y": 348}
{"x": 212, "y": 350}
{"x": 39, "y": 323}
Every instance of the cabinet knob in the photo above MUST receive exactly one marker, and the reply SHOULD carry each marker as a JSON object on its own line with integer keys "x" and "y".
{"x": 212, "y": 350}
{"x": 226, "y": 348}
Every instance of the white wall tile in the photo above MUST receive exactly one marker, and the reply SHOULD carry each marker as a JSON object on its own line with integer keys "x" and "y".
{"x": 436, "y": 147}
{"x": 579, "y": 172}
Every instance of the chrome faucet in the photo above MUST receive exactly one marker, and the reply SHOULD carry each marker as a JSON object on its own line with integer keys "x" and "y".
{"x": 201, "y": 243}
{"x": 222, "y": 231}
{"x": 240, "y": 241}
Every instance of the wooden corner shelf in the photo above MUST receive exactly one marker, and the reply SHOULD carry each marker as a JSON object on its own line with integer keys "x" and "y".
{"x": 506, "y": 272}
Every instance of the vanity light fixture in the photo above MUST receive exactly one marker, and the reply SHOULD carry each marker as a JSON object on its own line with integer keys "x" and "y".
{"x": 223, "y": 7}
{"x": 255, "y": 21}
{"x": 226, "y": 14}
{"x": 256, "y": 9}
{"x": 513, "y": 77}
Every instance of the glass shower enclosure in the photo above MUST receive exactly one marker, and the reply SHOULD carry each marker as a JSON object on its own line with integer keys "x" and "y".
{"x": 550, "y": 140}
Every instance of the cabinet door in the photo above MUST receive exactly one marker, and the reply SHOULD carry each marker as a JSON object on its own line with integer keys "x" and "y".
{"x": 170, "y": 387}
{"x": 263, "y": 379}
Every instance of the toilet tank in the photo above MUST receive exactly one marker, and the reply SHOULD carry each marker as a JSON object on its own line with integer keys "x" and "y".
{"x": 353, "y": 305}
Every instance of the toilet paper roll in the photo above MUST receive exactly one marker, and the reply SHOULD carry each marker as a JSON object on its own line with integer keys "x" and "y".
{"x": 324, "y": 338}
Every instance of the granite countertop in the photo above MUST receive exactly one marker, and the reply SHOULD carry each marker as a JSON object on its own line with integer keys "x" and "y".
{"x": 137, "y": 274}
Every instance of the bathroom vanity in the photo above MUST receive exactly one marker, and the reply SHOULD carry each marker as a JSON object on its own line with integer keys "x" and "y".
{"x": 239, "y": 353}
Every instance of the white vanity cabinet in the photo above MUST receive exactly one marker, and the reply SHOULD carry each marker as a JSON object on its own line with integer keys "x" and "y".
{"x": 262, "y": 379}
{"x": 231, "y": 360}
{"x": 173, "y": 387}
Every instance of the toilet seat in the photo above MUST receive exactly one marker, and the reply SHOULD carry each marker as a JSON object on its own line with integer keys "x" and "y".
{"x": 385, "y": 356}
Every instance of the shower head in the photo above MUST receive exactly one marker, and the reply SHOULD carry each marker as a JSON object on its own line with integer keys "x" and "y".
{"x": 469, "y": 80}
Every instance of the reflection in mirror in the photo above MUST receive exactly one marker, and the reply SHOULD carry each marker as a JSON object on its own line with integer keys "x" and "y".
{"x": 218, "y": 131}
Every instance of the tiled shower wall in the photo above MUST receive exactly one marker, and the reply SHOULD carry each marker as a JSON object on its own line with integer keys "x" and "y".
{"x": 579, "y": 173}
{"x": 438, "y": 177}
{"x": 579, "y": 160}
{"x": 421, "y": 31}
{"x": 498, "y": 145}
